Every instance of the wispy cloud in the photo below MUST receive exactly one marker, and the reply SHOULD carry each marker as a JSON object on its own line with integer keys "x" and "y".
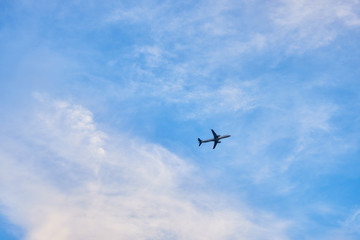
{"x": 349, "y": 228}
{"x": 352, "y": 224}
{"x": 225, "y": 32}
{"x": 306, "y": 25}
{"x": 69, "y": 180}
{"x": 190, "y": 57}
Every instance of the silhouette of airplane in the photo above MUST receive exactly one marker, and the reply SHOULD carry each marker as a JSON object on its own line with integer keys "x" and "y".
{"x": 215, "y": 139}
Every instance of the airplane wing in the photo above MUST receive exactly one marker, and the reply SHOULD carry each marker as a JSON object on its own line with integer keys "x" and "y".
{"x": 215, "y": 143}
{"x": 215, "y": 135}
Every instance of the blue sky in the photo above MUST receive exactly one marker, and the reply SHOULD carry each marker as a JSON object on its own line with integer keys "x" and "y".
{"x": 102, "y": 102}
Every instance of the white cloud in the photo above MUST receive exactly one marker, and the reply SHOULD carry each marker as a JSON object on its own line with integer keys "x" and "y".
{"x": 216, "y": 31}
{"x": 306, "y": 24}
{"x": 69, "y": 180}
{"x": 190, "y": 47}
{"x": 205, "y": 100}
{"x": 349, "y": 229}
{"x": 352, "y": 223}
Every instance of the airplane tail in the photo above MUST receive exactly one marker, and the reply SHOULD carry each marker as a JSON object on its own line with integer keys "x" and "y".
{"x": 200, "y": 142}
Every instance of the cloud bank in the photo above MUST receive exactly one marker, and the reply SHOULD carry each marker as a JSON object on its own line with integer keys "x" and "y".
{"x": 63, "y": 178}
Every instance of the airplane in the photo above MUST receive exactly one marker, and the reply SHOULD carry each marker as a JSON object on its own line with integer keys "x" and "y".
{"x": 215, "y": 139}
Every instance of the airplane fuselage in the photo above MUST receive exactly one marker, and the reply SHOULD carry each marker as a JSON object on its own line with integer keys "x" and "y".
{"x": 216, "y": 139}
